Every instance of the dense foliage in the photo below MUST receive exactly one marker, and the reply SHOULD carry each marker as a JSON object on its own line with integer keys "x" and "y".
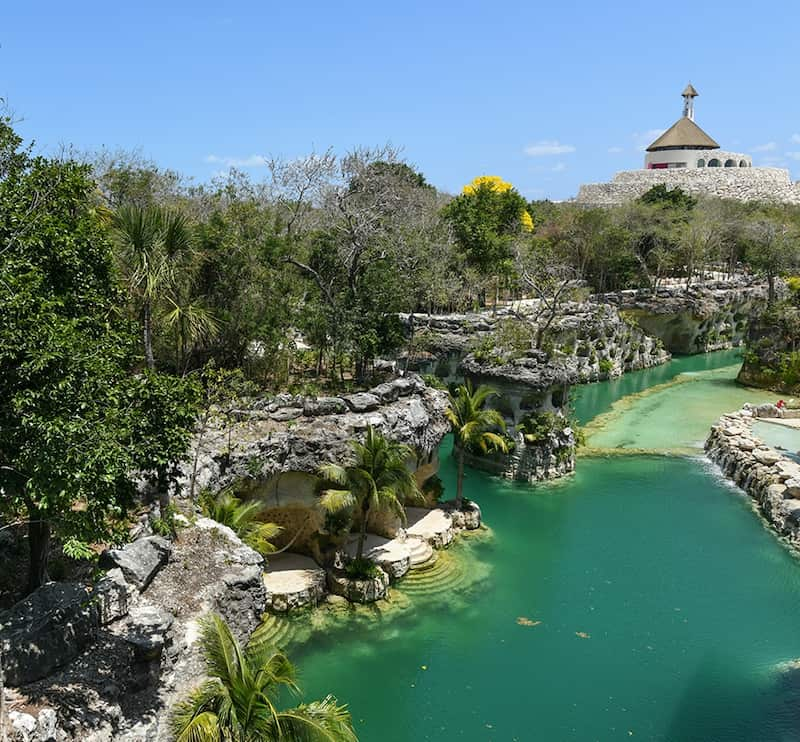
{"x": 75, "y": 421}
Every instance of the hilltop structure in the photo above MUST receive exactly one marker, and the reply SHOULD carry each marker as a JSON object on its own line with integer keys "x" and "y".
{"x": 686, "y": 157}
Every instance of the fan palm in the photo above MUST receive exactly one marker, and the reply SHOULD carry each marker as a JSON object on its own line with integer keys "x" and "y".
{"x": 238, "y": 701}
{"x": 471, "y": 423}
{"x": 377, "y": 480}
{"x": 151, "y": 241}
{"x": 243, "y": 518}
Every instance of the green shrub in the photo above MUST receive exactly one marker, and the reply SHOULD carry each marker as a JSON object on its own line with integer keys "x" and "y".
{"x": 361, "y": 569}
{"x": 433, "y": 381}
{"x": 606, "y": 365}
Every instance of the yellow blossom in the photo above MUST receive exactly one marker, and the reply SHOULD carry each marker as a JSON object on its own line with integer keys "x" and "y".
{"x": 495, "y": 182}
{"x": 526, "y": 221}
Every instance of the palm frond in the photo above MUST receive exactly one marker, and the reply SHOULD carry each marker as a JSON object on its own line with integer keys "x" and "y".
{"x": 319, "y": 721}
{"x": 334, "y": 501}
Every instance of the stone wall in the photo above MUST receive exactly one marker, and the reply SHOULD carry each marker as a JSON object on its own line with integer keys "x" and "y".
{"x": 771, "y": 479}
{"x": 741, "y": 184}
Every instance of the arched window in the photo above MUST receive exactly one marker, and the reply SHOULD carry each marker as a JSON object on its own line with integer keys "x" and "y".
{"x": 701, "y": 162}
{"x": 742, "y": 163}
{"x": 713, "y": 163}
{"x": 730, "y": 163}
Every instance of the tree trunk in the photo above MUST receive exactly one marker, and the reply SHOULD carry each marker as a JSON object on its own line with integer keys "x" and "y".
{"x": 496, "y": 295}
{"x": 39, "y": 545}
{"x": 147, "y": 335}
{"x": 771, "y": 289}
{"x": 362, "y": 534}
{"x": 460, "y": 479}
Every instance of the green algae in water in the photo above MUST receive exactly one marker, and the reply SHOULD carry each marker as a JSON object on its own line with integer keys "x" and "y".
{"x": 674, "y": 416}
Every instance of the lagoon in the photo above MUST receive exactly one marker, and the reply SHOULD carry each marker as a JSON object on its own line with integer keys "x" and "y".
{"x": 640, "y": 599}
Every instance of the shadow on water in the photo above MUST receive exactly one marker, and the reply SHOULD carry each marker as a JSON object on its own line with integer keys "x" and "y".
{"x": 720, "y": 703}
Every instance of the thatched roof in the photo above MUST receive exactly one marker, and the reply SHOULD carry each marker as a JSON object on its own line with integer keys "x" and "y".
{"x": 683, "y": 134}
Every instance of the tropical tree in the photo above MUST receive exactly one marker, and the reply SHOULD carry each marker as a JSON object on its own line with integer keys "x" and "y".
{"x": 74, "y": 422}
{"x": 471, "y": 423}
{"x": 151, "y": 241}
{"x": 239, "y": 701}
{"x": 243, "y": 518}
{"x": 377, "y": 480}
{"x": 486, "y": 217}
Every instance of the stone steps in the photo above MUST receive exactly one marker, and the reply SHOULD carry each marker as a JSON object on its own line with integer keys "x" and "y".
{"x": 293, "y": 581}
{"x": 434, "y": 526}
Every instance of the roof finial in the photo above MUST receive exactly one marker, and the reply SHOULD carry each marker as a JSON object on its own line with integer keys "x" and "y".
{"x": 689, "y": 94}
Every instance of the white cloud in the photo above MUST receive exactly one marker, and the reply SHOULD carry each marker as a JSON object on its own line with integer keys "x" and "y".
{"x": 645, "y": 138}
{"x": 768, "y": 147}
{"x": 795, "y": 138}
{"x": 615, "y": 150}
{"x": 251, "y": 161}
{"x": 793, "y": 155}
{"x": 548, "y": 147}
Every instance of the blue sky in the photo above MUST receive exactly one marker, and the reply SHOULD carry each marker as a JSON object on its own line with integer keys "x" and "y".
{"x": 547, "y": 95}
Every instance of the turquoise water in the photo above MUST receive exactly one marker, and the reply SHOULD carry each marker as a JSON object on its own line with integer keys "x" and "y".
{"x": 664, "y": 608}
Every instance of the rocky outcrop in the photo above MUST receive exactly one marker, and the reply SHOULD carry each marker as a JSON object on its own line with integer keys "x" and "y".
{"x": 700, "y": 319}
{"x": 586, "y": 342}
{"x": 140, "y": 653}
{"x": 771, "y": 360}
{"x": 287, "y": 433}
{"x": 359, "y": 590}
{"x": 771, "y": 479}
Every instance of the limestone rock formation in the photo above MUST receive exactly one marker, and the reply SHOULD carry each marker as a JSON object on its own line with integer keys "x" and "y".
{"x": 771, "y": 479}
{"x": 118, "y": 681}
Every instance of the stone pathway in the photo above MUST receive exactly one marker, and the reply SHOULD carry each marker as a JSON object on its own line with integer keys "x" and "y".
{"x": 434, "y": 526}
{"x": 293, "y": 581}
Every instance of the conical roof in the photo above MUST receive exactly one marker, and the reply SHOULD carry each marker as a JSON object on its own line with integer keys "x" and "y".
{"x": 683, "y": 134}
{"x": 690, "y": 91}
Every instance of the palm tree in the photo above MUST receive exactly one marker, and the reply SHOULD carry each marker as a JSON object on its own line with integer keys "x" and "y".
{"x": 238, "y": 701}
{"x": 378, "y": 479}
{"x": 151, "y": 241}
{"x": 243, "y": 520}
{"x": 471, "y": 423}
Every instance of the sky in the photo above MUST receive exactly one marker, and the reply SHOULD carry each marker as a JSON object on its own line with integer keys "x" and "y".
{"x": 546, "y": 95}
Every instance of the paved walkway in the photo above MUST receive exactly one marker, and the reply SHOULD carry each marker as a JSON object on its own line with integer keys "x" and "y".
{"x": 291, "y": 573}
{"x": 427, "y": 524}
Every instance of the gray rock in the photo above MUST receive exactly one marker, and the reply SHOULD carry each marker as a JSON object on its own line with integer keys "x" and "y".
{"x": 324, "y": 406}
{"x": 23, "y": 727}
{"x": 139, "y": 560}
{"x": 286, "y": 413}
{"x": 359, "y": 591}
{"x": 362, "y": 402}
{"x": 46, "y": 725}
{"x": 113, "y": 595}
{"x": 387, "y": 392}
{"x": 46, "y": 630}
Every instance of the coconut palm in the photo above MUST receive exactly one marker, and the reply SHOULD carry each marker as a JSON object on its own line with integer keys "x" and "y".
{"x": 471, "y": 423}
{"x": 151, "y": 242}
{"x": 243, "y": 518}
{"x": 238, "y": 702}
{"x": 377, "y": 480}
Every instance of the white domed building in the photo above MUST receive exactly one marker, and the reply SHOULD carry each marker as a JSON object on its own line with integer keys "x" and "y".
{"x": 686, "y": 157}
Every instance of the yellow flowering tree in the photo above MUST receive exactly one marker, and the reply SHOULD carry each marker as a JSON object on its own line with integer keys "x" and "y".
{"x": 486, "y": 218}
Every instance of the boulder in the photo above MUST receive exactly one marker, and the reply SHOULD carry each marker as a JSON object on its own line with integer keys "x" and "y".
{"x": 113, "y": 595}
{"x": 46, "y": 725}
{"x": 367, "y": 590}
{"x": 49, "y": 628}
{"x": 23, "y": 727}
{"x": 139, "y": 560}
{"x": 766, "y": 455}
{"x": 286, "y": 413}
{"x": 362, "y": 402}
{"x": 387, "y": 392}
{"x": 792, "y": 488}
{"x": 324, "y": 406}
